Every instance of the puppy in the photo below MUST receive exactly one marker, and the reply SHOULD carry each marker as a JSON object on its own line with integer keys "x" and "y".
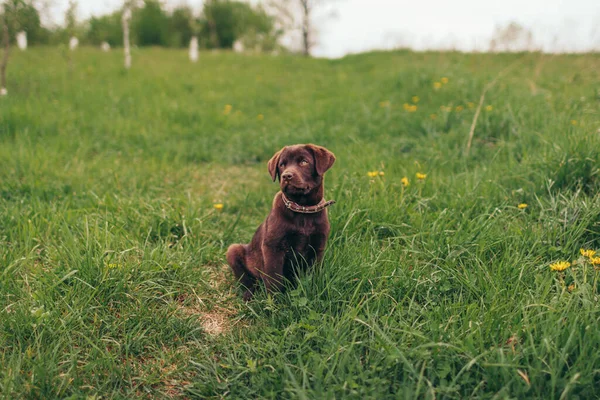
{"x": 295, "y": 232}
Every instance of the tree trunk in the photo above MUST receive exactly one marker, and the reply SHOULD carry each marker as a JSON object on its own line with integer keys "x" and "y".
{"x": 212, "y": 31}
{"x": 305, "y": 27}
{"x": 126, "y": 49}
{"x": 3, "y": 91}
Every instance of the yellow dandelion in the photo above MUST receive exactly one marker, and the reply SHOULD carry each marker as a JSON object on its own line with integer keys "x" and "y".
{"x": 573, "y": 122}
{"x": 437, "y": 85}
{"x": 218, "y": 206}
{"x": 260, "y": 117}
{"x": 227, "y": 109}
{"x": 381, "y": 173}
{"x": 412, "y": 108}
{"x": 560, "y": 266}
{"x": 405, "y": 181}
{"x": 372, "y": 174}
{"x": 489, "y": 108}
{"x": 444, "y": 80}
{"x": 595, "y": 260}
{"x": 406, "y": 106}
{"x": 421, "y": 176}
{"x": 459, "y": 108}
{"x": 384, "y": 104}
{"x": 522, "y": 206}
{"x": 587, "y": 253}
{"x": 471, "y": 104}
{"x": 415, "y": 99}
{"x": 433, "y": 116}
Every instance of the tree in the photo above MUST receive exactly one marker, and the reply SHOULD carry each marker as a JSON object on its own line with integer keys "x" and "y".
{"x": 22, "y": 15}
{"x": 17, "y": 15}
{"x": 71, "y": 18}
{"x": 299, "y": 15}
{"x": 226, "y": 21}
{"x": 151, "y": 25}
{"x": 106, "y": 28}
{"x": 512, "y": 37}
{"x": 181, "y": 26}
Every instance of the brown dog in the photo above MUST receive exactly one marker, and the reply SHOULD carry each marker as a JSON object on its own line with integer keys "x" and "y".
{"x": 296, "y": 230}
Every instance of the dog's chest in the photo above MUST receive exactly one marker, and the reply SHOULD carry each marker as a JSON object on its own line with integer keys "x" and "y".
{"x": 298, "y": 239}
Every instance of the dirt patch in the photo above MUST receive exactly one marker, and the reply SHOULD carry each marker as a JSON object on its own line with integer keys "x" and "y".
{"x": 216, "y": 322}
{"x": 216, "y": 312}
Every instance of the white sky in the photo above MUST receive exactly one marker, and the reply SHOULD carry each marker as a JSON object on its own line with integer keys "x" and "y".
{"x": 361, "y": 25}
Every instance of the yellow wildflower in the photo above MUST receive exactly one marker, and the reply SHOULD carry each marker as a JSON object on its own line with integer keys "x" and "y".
{"x": 415, "y": 99}
{"x": 421, "y": 176}
{"x": 437, "y": 85}
{"x": 471, "y": 104}
{"x": 573, "y": 122}
{"x": 406, "y": 106}
{"x": 587, "y": 253}
{"x": 227, "y": 109}
{"x": 381, "y": 173}
{"x": 560, "y": 266}
{"x": 522, "y": 206}
{"x": 595, "y": 260}
{"x": 459, "y": 108}
{"x": 218, "y": 206}
{"x": 433, "y": 116}
{"x": 372, "y": 174}
{"x": 260, "y": 117}
{"x": 489, "y": 108}
{"x": 444, "y": 80}
{"x": 405, "y": 181}
{"x": 384, "y": 104}
{"x": 412, "y": 108}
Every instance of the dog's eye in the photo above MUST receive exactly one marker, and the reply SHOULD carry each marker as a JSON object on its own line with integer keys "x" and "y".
{"x": 282, "y": 164}
{"x": 303, "y": 163}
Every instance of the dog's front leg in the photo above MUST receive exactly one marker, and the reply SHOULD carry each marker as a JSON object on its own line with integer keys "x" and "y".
{"x": 318, "y": 243}
{"x": 272, "y": 273}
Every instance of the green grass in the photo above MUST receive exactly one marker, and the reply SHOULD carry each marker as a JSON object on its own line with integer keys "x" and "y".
{"x": 112, "y": 274}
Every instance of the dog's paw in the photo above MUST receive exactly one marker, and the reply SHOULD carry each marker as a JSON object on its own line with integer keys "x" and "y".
{"x": 248, "y": 295}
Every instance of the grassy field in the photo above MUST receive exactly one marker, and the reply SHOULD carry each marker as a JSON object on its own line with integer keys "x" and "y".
{"x": 113, "y": 281}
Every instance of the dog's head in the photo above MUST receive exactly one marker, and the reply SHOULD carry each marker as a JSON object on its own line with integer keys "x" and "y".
{"x": 300, "y": 168}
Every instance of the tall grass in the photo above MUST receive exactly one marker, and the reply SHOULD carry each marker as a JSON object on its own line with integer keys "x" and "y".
{"x": 112, "y": 276}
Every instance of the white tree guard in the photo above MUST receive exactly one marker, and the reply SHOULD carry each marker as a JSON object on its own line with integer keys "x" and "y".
{"x": 73, "y": 43}
{"x": 194, "y": 49}
{"x": 105, "y": 46}
{"x": 238, "y": 46}
{"x": 22, "y": 40}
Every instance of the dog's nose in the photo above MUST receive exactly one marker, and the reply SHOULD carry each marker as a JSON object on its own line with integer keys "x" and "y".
{"x": 287, "y": 176}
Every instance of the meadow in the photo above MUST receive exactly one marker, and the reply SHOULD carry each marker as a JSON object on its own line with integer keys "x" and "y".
{"x": 121, "y": 190}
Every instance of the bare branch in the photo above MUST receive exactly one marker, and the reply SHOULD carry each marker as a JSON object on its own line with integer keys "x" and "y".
{"x": 3, "y": 91}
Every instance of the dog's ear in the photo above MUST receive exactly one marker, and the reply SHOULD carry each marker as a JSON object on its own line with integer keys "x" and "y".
{"x": 324, "y": 159}
{"x": 273, "y": 165}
